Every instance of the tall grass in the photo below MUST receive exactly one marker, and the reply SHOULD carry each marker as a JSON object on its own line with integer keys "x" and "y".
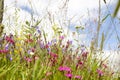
{"x": 32, "y": 56}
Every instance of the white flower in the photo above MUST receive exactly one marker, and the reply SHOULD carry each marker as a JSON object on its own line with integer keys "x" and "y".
{"x": 31, "y": 53}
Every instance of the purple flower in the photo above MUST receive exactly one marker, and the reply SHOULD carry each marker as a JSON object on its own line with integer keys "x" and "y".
{"x": 49, "y": 43}
{"x": 7, "y": 46}
{"x": 70, "y": 42}
{"x": 11, "y": 58}
{"x": 38, "y": 31}
{"x": 42, "y": 45}
{"x": 37, "y": 27}
{"x": 29, "y": 51}
{"x": 48, "y": 49}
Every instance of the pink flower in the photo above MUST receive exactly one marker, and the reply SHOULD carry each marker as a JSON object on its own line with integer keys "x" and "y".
{"x": 64, "y": 68}
{"x": 69, "y": 75}
{"x": 28, "y": 59}
{"x": 61, "y": 37}
{"x": 100, "y": 72}
{"x": 78, "y": 77}
{"x": 36, "y": 58}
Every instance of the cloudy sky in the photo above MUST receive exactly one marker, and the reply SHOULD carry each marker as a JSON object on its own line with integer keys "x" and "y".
{"x": 78, "y": 12}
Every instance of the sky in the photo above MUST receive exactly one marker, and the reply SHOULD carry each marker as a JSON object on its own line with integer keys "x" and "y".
{"x": 79, "y": 12}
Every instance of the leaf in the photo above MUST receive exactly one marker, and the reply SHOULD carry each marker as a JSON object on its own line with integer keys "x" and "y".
{"x": 38, "y": 22}
{"x": 79, "y": 27}
{"x": 105, "y": 17}
{"x": 116, "y": 9}
{"x": 3, "y": 73}
{"x": 27, "y": 23}
{"x": 104, "y": 1}
{"x": 102, "y": 42}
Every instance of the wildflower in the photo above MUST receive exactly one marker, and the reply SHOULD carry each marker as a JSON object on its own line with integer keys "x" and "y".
{"x": 78, "y": 77}
{"x": 46, "y": 46}
{"x": 69, "y": 42}
{"x": 11, "y": 58}
{"x": 38, "y": 31}
{"x": 79, "y": 64}
{"x": 36, "y": 58}
{"x": 32, "y": 49}
{"x": 53, "y": 55}
{"x": 61, "y": 37}
{"x": 9, "y": 39}
{"x": 69, "y": 75}
{"x": 48, "y": 49}
{"x": 31, "y": 53}
{"x": 3, "y": 51}
{"x": 64, "y": 68}
{"x": 41, "y": 44}
{"x": 104, "y": 65}
{"x": 100, "y": 72}
{"x": 7, "y": 46}
{"x": 54, "y": 41}
{"x": 84, "y": 54}
{"x": 48, "y": 73}
{"x": 29, "y": 41}
{"x": 28, "y": 59}
{"x": 49, "y": 43}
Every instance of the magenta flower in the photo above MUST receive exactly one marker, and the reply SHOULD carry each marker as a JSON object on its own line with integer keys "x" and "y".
{"x": 8, "y": 39}
{"x": 100, "y": 72}
{"x": 69, "y": 75}
{"x": 4, "y": 51}
{"x": 46, "y": 46}
{"x": 78, "y": 77}
{"x": 64, "y": 68}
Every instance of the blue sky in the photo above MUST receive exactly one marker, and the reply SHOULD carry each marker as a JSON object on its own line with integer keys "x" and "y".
{"x": 79, "y": 9}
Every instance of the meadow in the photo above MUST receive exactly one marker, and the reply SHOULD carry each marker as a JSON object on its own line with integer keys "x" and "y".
{"x": 32, "y": 53}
